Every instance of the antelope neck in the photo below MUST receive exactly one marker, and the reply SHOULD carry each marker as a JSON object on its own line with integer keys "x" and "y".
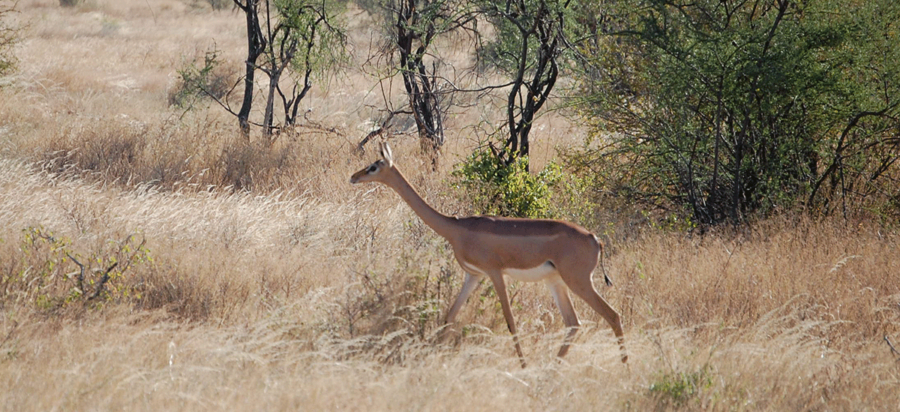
{"x": 440, "y": 223}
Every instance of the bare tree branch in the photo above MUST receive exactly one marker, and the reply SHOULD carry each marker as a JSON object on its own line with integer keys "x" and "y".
{"x": 891, "y": 345}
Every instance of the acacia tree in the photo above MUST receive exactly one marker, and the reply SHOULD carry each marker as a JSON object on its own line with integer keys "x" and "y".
{"x": 415, "y": 32}
{"x": 413, "y": 26}
{"x": 256, "y": 44}
{"x": 528, "y": 43}
{"x": 305, "y": 39}
{"x": 298, "y": 36}
{"x": 528, "y": 46}
{"x": 9, "y": 36}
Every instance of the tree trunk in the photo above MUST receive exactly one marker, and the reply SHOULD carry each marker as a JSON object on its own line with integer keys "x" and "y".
{"x": 528, "y": 96}
{"x": 269, "y": 116}
{"x": 424, "y": 101}
{"x": 255, "y": 46}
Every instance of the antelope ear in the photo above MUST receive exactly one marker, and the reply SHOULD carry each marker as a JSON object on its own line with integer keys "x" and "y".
{"x": 386, "y": 154}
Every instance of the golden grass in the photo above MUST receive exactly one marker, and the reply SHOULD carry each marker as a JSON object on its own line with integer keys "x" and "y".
{"x": 276, "y": 285}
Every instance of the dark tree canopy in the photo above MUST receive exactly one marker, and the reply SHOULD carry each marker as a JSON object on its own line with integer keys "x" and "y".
{"x": 725, "y": 109}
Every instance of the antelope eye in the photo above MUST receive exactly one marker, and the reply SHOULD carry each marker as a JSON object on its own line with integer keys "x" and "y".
{"x": 372, "y": 169}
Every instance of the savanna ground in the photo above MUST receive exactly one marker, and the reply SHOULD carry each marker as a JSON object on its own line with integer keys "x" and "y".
{"x": 301, "y": 292}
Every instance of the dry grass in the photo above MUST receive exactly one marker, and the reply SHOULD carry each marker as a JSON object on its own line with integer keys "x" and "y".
{"x": 275, "y": 285}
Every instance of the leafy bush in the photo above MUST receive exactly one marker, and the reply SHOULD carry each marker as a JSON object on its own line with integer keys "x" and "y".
{"x": 725, "y": 110}
{"x": 51, "y": 274}
{"x": 9, "y": 37}
{"x": 677, "y": 388}
{"x": 201, "y": 80}
{"x": 507, "y": 190}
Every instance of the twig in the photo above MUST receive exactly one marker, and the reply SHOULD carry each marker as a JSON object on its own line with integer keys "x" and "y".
{"x": 361, "y": 147}
{"x": 80, "y": 274}
{"x": 893, "y": 350}
{"x": 10, "y": 334}
{"x": 102, "y": 281}
{"x": 151, "y": 10}
{"x": 385, "y": 125}
{"x": 314, "y": 125}
{"x": 105, "y": 278}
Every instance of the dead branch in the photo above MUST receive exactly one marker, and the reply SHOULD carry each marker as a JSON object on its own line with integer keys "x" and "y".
{"x": 80, "y": 280}
{"x": 385, "y": 125}
{"x": 105, "y": 278}
{"x": 891, "y": 345}
{"x": 102, "y": 283}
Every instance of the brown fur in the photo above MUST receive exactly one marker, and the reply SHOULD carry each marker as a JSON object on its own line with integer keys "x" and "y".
{"x": 495, "y": 246}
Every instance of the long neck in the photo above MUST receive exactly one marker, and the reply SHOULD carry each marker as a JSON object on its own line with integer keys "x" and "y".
{"x": 440, "y": 223}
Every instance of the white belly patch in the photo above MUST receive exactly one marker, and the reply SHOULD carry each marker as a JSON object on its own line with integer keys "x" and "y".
{"x": 542, "y": 272}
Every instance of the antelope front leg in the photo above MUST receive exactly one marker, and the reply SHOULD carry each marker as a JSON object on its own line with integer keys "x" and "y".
{"x": 470, "y": 284}
{"x": 500, "y": 288}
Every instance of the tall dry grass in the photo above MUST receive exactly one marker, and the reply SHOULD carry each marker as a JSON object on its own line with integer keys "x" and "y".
{"x": 274, "y": 303}
{"x": 276, "y": 285}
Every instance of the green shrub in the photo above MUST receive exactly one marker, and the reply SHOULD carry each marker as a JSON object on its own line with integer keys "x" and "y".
{"x": 51, "y": 273}
{"x": 9, "y": 37}
{"x": 196, "y": 81}
{"x": 726, "y": 110}
{"x": 677, "y": 388}
{"x": 496, "y": 188}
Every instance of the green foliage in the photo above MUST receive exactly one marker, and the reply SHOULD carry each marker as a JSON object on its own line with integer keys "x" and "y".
{"x": 51, "y": 274}
{"x": 315, "y": 30}
{"x": 301, "y": 37}
{"x": 9, "y": 37}
{"x": 670, "y": 222}
{"x": 425, "y": 18}
{"x": 503, "y": 51}
{"x": 220, "y": 4}
{"x": 409, "y": 29}
{"x": 529, "y": 46}
{"x": 723, "y": 110}
{"x": 507, "y": 190}
{"x": 676, "y": 389}
{"x": 200, "y": 80}
{"x": 574, "y": 201}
